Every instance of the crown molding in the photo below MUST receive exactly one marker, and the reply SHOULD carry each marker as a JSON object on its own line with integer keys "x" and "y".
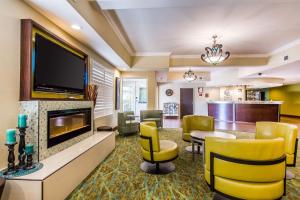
{"x": 186, "y": 56}
{"x": 113, "y": 20}
{"x": 152, "y": 54}
{"x": 232, "y": 56}
{"x": 250, "y": 55}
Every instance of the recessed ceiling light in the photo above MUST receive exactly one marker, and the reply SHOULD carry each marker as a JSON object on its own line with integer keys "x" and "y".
{"x": 76, "y": 27}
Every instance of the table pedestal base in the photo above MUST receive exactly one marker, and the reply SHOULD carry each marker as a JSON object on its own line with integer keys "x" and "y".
{"x": 161, "y": 168}
{"x": 289, "y": 175}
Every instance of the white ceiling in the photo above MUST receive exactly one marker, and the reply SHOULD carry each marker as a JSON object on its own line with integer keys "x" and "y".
{"x": 64, "y": 15}
{"x": 225, "y": 76}
{"x": 185, "y": 27}
{"x": 290, "y": 73}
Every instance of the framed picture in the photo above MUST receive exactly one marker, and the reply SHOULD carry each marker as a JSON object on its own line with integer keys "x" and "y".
{"x": 200, "y": 91}
{"x": 117, "y": 97}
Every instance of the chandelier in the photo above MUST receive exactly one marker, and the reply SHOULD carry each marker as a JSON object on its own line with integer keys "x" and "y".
{"x": 214, "y": 55}
{"x": 190, "y": 75}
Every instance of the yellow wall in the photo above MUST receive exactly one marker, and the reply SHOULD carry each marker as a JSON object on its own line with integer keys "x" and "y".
{"x": 11, "y": 11}
{"x": 290, "y": 94}
{"x": 152, "y": 85}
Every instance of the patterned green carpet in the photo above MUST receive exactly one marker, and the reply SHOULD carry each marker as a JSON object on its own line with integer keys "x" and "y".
{"x": 119, "y": 176}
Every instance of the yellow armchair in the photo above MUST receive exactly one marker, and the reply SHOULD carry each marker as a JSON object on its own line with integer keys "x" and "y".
{"x": 245, "y": 168}
{"x": 196, "y": 122}
{"x": 289, "y": 132}
{"x": 156, "y": 153}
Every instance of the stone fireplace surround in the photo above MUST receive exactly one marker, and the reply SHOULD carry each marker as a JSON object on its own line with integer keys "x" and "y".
{"x": 65, "y": 165}
{"x": 37, "y": 125}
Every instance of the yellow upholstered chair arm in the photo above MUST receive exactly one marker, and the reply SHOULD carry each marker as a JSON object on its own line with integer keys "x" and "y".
{"x": 150, "y": 123}
{"x": 186, "y": 123}
{"x": 246, "y": 150}
{"x": 149, "y": 130}
{"x": 269, "y": 130}
{"x": 246, "y": 168}
{"x": 196, "y": 122}
{"x": 153, "y": 149}
{"x": 275, "y": 167}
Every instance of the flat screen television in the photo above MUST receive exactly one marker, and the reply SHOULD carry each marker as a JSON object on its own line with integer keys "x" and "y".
{"x": 57, "y": 69}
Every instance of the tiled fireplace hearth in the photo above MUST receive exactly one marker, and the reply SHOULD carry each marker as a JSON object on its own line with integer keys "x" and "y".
{"x": 56, "y": 125}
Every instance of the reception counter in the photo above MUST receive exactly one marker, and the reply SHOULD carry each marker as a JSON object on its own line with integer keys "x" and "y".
{"x": 245, "y": 111}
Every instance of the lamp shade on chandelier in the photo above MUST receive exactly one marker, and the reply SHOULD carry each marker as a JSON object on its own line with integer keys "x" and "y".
{"x": 214, "y": 55}
{"x": 190, "y": 75}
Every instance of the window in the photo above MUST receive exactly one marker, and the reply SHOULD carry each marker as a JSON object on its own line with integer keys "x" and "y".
{"x": 104, "y": 79}
{"x": 143, "y": 95}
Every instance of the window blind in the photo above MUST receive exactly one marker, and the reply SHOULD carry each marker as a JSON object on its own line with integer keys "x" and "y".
{"x": 103, "y": 77}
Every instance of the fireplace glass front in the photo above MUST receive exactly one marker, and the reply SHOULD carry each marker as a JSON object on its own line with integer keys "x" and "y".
{"x": 66, "y": 124}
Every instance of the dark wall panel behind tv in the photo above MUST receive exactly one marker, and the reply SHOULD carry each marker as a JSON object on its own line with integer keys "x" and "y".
{"x": 51, "y": 68}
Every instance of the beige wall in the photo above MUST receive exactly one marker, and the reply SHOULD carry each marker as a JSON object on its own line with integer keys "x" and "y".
{"x": 234, "y": 93}
{"x": 200, "y": 106}
{"x": 11, "y": 11}
{"x": 152, "y": 85}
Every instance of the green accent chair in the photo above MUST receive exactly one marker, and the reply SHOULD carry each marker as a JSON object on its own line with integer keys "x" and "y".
{"x": 152, "y": 115}
{"x": 126, "y": 125}
{"x": 157, "y": 153}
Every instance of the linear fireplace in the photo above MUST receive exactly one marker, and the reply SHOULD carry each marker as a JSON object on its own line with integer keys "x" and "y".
{"x": 66, "y": 124}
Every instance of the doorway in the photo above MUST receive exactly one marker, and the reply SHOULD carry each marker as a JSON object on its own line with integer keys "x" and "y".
{"x": 135, "y": 95}
{"x": 186, "y": 101}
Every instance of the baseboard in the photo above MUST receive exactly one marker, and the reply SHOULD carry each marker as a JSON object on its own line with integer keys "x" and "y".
{"x": 291, "y": 116}
{"x": 171, "y": 117}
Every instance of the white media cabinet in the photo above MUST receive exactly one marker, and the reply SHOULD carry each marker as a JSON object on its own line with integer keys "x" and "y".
{"x": 62, "y": 172}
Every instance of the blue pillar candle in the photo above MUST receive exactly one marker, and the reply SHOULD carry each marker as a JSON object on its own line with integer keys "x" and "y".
{"x": 10, "y": 136}
{"x": 29, "y": 149}
{"x": 22, "y": 121}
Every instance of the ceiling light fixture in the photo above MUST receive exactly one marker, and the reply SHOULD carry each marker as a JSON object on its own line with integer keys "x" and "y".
{"x": 214, "y": 55}
{"x": 76, "y": 27}
{"x": 190, "y": 75}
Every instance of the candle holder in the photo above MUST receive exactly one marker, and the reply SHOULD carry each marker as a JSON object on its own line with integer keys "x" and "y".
{"x": 29, "y": 163}
{"x": 11, "y": 168}
{"x": 22, "y": 155}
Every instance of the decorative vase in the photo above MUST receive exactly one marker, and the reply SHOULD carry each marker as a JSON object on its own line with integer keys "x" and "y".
{"x": 92, "y": 96}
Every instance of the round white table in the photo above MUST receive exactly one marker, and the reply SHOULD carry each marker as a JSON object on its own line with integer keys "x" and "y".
{"x": 198, "y": 137}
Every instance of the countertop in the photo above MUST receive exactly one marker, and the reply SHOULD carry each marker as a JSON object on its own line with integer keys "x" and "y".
{"x": 246, "y": 102}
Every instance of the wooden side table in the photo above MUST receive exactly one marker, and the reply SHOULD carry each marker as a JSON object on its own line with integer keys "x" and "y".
{"x": 2, "y": 184}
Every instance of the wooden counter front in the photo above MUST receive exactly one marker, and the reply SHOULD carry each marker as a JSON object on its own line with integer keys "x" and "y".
{"x": 244, "y": 112}
{"x": 221, "y": 111}
{"x": 257, "y": 112}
